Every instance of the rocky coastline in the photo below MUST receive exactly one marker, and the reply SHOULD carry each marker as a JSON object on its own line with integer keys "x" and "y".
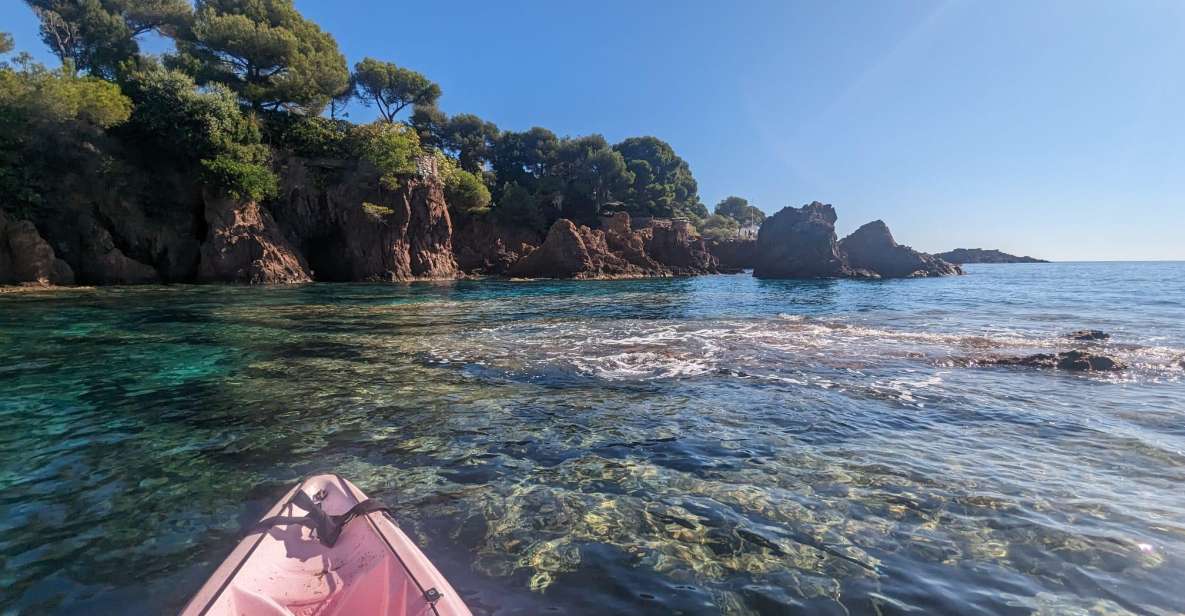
{"x": 960, "y": 256}
{"x": 335, "y": 221}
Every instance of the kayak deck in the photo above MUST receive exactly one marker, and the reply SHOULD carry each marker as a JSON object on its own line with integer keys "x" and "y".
{"x": 283, "y": 570}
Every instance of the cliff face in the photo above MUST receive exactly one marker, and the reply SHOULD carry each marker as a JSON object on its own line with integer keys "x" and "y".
{"x": 26, "y": 258}
{"x": 245, "y": 245}
{"x": 734, "y": 255}
{"x": 872, "y": 248}
{"x": 487, "y": 248}
{"x": 675, "y": 245}
{"x": 353, "y": 229}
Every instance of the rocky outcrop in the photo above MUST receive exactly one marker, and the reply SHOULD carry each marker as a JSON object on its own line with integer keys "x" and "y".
{"x": 572, "y": 251}
{"x": 1088, "y": 335}
{"x": 244, "y": 245}
{"x": 872, "y": 248}
{"x": 801, "y": 243}
{"x": 26, "y": 258}
{"x": 631, "y": 245}
{"x": 662, "y": 248}
{"x": 675, "y": 245}
{"x": 484, "y": 247}
{"x": 734, "y": 255}
{"x": 1077, "y": 361}
{"x": 354, "y": 229}
{"x": 960, "y": 256}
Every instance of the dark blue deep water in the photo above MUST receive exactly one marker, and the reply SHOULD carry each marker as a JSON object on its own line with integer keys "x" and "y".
{"x": 715, "y": 445}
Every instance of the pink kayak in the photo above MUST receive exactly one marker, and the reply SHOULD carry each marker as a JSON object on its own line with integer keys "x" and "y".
{"x": 325, "y": 550}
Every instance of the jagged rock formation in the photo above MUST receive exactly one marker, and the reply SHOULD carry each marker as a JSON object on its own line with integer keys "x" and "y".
{"x": 26, "y": 258}
{"x": 872, "y": 248}
{"x": 631, "y": 245}
{"x": 960, "y": 256}
{"x": 354, "y": 229}
{"x": 244, "y": 245}
{"x": 663, "y": 248}
{"x": 675, "y": 245}
{"x": 572, "y": 251}
{"x": 734, "y": 255}
{"x": 801, "y": 243}
{"x": 484, "y": 247}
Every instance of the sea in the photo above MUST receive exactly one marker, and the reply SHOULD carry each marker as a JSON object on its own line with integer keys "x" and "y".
{"x": 707, "y": 445}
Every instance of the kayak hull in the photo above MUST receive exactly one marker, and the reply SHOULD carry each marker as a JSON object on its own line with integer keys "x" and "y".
{"x": 283, "y": 570}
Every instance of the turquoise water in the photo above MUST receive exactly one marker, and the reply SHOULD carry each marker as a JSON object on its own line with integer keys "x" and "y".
{"x": 697, "y": 446}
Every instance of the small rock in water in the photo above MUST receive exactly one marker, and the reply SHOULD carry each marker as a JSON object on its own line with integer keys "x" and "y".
{"x": 1086, "y": 335}
{"x": 1078, "y": 361}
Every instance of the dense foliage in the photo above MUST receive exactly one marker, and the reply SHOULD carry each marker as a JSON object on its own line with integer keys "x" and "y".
{"x": 49, "y": 120}
{"x": 265, "y": 51}
{"x": 97, "y": 36}
{"x": 204, "y": 126}
{"x": 251, "y": 78}
{"x": 738, "y": 209}
{"x": 720, "y": 227}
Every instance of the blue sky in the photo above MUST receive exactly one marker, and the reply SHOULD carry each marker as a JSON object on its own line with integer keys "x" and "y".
{"x": 1053, "y": 128}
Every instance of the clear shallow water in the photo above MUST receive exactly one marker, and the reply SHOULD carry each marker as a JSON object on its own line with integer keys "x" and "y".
{"x": 697, "y": 446}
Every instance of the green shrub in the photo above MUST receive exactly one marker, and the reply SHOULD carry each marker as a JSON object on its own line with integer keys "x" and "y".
{"x": 309, "y": 136}
{"x": 391, "y": 148}
{"x": 376, "y": 211}
{"x": 464, "y": 191}
{"x": 239, "y": 179}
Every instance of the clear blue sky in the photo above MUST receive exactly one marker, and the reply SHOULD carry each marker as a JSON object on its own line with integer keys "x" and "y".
{"x": 1046, "y": 127}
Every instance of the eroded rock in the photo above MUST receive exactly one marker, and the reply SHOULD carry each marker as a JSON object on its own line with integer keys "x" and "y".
{"x": 801, "y": 243}
{"x": 245, "y": 245}
{"x": 572, "y": 251}
{"x": 26, "y": 258}
{"x": 872, "y": 248}
{"x": 351, "y": 228}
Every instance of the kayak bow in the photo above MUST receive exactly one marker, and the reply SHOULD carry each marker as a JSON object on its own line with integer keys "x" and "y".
{"x": 291, "y": 566}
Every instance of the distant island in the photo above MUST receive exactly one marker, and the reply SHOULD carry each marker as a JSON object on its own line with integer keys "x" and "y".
{"x": 961, "y": 256}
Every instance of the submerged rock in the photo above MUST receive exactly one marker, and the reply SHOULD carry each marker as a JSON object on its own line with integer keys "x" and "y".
{"x": 1088, "y": 335}
{"x": 1078, "y": 361}
{"x": 872, "y": 247}
{"x": 801, "y": 243}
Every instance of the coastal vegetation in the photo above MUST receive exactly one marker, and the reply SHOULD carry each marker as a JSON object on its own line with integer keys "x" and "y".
{"x": 232, "y": 158}
{"x": 249, "y": 81}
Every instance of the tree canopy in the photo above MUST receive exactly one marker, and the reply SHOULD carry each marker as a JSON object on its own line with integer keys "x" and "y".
{"x": 662, "y": 184}
{"x": 719, "y": 227}
{"x": 266, "y": 52}
{"x": 739, "y": 210}
{"x": 392, "y": 88}
{"x": 191, "y": 110}
{"x": 97, "y": 36}
{"x": 6, "y": 44}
